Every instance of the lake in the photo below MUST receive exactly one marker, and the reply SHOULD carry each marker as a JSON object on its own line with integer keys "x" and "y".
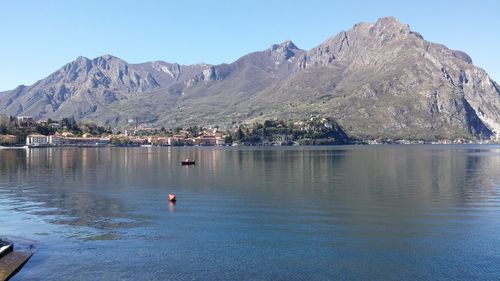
{"x": 401, "y": 212}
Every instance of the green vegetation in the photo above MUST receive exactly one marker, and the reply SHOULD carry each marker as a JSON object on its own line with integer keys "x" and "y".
{"x": 316, "y": 131}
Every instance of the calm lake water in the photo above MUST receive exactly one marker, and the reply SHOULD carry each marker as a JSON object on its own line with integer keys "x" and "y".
{"x": 294, "y": 213}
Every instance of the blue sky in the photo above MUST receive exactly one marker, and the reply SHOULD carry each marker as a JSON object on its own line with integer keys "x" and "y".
{"x": 38, "y": 37}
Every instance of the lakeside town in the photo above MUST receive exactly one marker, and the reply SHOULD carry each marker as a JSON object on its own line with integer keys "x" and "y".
{"x": 25, "y": 131}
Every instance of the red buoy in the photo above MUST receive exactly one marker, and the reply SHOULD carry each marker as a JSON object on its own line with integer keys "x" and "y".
{"x": 171, "y": 197}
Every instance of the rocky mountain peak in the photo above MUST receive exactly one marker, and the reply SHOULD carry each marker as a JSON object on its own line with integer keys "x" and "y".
{"x": 107, "y": 57}
{"x": 285, "y": 45}
{"x": 389, "y": 28}
{"x": 285, "y": 50}
{"x": 389, "y": 21}
{"x": 288, "y": 44}
{"x": 81, "y": 59}
{"x": 105, "y": 61}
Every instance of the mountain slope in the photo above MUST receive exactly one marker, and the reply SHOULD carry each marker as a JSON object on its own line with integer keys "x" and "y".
{"x": 377, "y": 80}
{"x": 385, "y": 80}
{"x": 84, "y": 86}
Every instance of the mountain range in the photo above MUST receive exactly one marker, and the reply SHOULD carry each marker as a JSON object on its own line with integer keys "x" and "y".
{"x": 376, "y": 80}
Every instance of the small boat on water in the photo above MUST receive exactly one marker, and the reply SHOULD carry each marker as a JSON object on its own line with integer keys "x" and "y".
{"x": 171, "y": 197}
{"x": 188, "y": 162}
{"x": 11, "y": 261}
{"x": 12, "y": 147}
{"x": 5, "y": 248}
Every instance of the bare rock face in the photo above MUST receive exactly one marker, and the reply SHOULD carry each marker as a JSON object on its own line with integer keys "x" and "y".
{"x": 426, "y": 88}
{"x": 377, "y": 80}
{"x": 80, "y": 88}
{"x": 283, "y": 51}
{"x": 174, "y": 70}
{"x": 86, "y": 86}
{"x": 207, "y": 75}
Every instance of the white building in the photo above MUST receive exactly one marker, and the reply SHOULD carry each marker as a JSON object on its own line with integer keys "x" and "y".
{"x": 37, "y": 140}
{"x": 55, "y": 125}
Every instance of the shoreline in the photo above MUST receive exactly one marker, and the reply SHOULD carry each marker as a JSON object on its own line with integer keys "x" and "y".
{"x": 241, "y": 145}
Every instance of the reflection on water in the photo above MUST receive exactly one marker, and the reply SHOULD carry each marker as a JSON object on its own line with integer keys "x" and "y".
{"x": 370, "y": 212}
{"x": 171, "y": 206}
{"x": 60, "y": 185}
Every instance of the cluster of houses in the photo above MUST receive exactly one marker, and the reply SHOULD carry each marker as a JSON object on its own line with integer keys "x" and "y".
{"x": 20, "y": 121}
{"x": 26, "y": 122}
{"x": 181, "y": 139}
{"x": 68, "y": 139}
{"x": 131, "y": 137}
{"x": 65, "y": 139}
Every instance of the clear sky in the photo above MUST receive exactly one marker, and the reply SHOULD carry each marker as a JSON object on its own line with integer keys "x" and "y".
{"x": 38, "y": 37}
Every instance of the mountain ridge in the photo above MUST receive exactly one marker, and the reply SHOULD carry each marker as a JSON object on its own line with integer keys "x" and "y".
{"x": 376, "y": 79}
